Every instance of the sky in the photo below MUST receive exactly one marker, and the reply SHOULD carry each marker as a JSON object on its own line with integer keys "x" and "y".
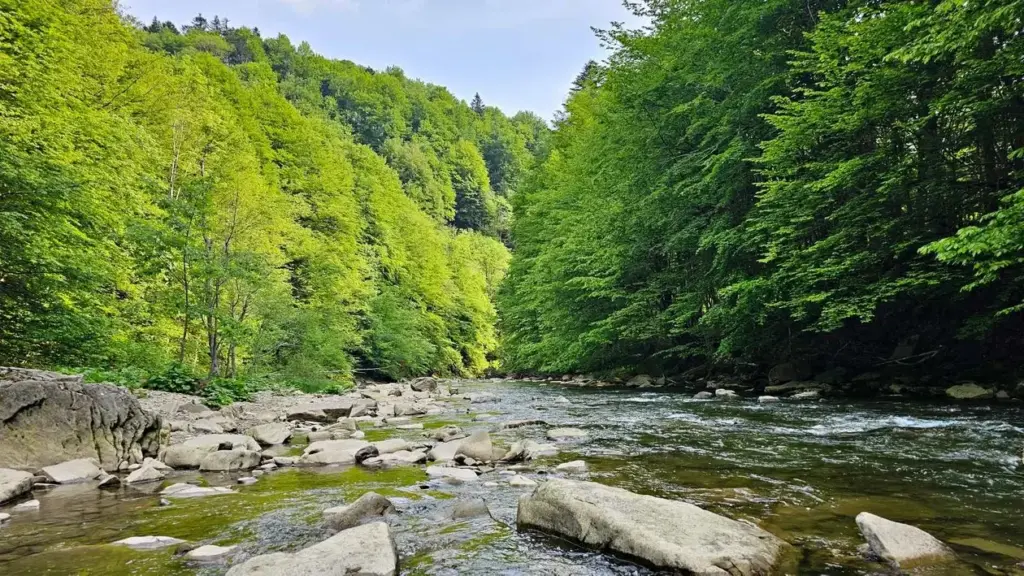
{"x": 518, "y": 54}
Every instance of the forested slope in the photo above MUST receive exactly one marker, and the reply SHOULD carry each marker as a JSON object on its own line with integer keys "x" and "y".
{"x": 227, "y": 205}
{"x": 750, "y": 182}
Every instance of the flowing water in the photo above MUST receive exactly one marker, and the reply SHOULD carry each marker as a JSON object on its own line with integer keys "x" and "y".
{"x": 800, "y": 470}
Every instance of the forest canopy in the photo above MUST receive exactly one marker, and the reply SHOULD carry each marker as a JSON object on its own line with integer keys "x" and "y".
{"x": 825, "y": 181}
{"x": 202, "y": 200}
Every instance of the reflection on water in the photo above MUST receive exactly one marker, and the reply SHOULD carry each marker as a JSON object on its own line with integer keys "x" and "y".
{"x": 802, "y": 471}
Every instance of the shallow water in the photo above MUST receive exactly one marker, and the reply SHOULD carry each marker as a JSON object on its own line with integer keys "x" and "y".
{"x": 800, "y": 470}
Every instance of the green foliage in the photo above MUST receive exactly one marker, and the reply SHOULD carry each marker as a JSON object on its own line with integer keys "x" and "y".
{"x": 754, "y": 181}
{"x": 235, "y": 207}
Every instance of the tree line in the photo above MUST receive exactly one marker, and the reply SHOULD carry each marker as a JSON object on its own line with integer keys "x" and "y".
{"x": 838, "y": 182}
{"x": 203, "y": 200}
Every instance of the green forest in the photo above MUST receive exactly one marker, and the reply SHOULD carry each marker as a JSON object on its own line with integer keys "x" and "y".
{"x": 834, "y": 182}
{"x": 198, "y": 203}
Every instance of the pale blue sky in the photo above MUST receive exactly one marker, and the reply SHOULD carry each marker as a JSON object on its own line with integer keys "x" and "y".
{"x": 518, "y": 54}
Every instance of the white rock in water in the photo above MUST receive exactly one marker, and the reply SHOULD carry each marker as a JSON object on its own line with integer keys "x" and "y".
{"x": 4, "y": 517}
{"x": 271, "y": 434}
{"x": 247, "y": 481}
{"x": 27, "y": 506}
{"x": 899, "y": 544}
{"x": 149, "y": 542}
{"x": 478, "y": 446}
{"x": 809, "y": 395}
{"x": 368, "y": 505}
{"x": 144, "y": 475}
{"x": 13, "y": 483}
{"x": 565, "y": 433}
{"x": 190, "y": 454}
{"x": 210, "y": 553}
{"x": 367, "y": 550}
{"x": 190, "y": 491}
{"x": 521, "y": 482}
{"x": 665, "y": 534}
{"x": 73, "y": 472}
{"x": 767, "y": 400}
{"x": 230, "y": 460}
{"x": 456, "y": 474}
{"x": 575, "y": 467}
{"x": 445, "y": 451}
{"x": 391, "y": 446}
{"x": 705, "y": 395}
{"x": 332, "y": 452}
{"x": 725, "y": 394}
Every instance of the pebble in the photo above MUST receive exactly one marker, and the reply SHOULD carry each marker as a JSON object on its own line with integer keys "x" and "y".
{"x": 247, "y": 481}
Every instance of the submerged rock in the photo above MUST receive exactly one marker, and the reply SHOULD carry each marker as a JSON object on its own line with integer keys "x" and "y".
{"x": 149, "y": 542}
{"x": 47, "y": 418}
{"x": 457, "y": 475}
{"x": 189, "y": 491}
{"x": 29, "y": 506}
{"x": 566, "y": 433}
{"x": 13, "y": 483}
{"x": 901, "y": 545}
{"x": 518, "y": 481}
{"x": 666, "y": 534}
{"x": 465, "y": 509}
{"x": 368, "y": 505}
{"x": 367, "y": 550}
{"x": 705, "y": 395}
{"x": 574, "y": 467}
{"x": 969, "y": 391}
{"x": 210, "y": 553}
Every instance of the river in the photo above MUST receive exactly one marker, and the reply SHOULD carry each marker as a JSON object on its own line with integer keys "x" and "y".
{"x": 800, "y": 470}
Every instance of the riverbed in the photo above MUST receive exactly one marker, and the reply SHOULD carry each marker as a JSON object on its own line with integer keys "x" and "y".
{"x": 800, "y": 470}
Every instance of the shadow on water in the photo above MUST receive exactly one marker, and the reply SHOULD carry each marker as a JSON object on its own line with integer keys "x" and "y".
{"x": 801, "y": 471}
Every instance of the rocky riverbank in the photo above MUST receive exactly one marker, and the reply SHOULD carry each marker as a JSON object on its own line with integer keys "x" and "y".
{"x": 420, "y": 463}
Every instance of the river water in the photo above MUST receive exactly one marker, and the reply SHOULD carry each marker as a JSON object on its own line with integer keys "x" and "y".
{"x": 800, "y": 470}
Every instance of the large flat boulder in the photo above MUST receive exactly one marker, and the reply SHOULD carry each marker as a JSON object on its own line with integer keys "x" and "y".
{"x": 48, "y": 418}
{"x": 901, "y": 545}
{"x": 323, "y": 411}
{"x": 192, "y": 452}
{"x": 272, "y": 434}
{"x": 478, "y": 447}
{"x": 14, "y": 483}
{"x": 665, "y": 534}
{"x": 73, "y": 471}
{"x": 331, "y": 452}
{"x": 367, "y": 550}
{"x": 230, "y": 460}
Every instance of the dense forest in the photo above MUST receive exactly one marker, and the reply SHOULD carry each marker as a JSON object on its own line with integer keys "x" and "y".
{"x": 835, "y": 182}
{"x": 197, "y": 203}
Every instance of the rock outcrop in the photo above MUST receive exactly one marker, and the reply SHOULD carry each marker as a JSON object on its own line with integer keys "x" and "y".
{"x": 665, "y": 534}
{"x": 14, "y": 483}
{"x": 901, "y": 545}
{"x": 48, "y": 418}
{"x": 367, "y": 550}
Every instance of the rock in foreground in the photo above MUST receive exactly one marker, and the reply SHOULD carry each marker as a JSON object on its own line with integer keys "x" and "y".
{"x": 48, "y": 418}
{"x": 366, "y": 550}
{"x": 14, "y": 483}
{"x": 662, "y": 533}
{"x": 901, "y": 545}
